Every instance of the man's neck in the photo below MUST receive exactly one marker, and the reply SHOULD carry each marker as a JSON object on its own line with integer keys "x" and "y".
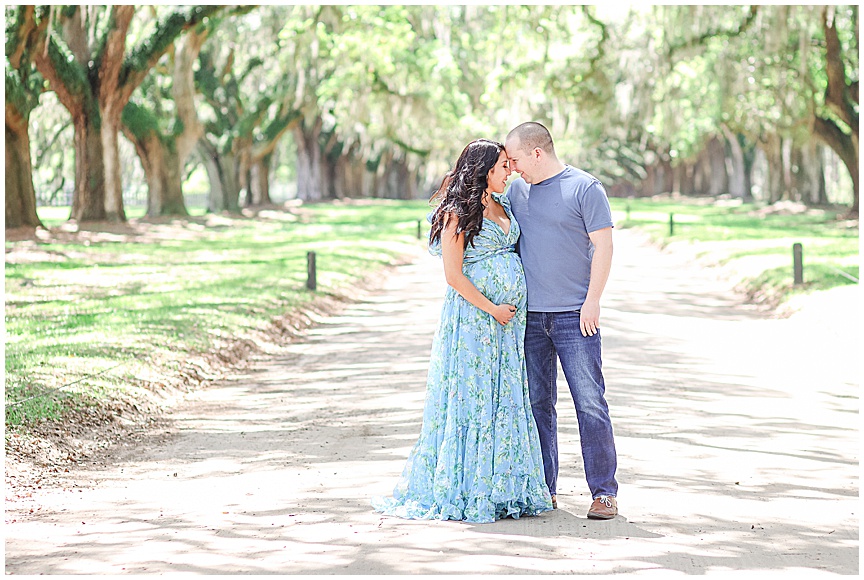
{"x": 553, "y": 169}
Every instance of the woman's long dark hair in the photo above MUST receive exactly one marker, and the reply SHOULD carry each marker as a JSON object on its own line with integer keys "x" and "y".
{"x": 461, "y": 191}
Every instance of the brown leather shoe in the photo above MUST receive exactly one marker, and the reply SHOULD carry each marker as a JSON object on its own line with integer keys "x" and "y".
{"x": 604, "y": 507}
{"x": 554, "y": 502}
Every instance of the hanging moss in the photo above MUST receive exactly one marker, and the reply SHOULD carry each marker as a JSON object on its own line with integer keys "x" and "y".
{"x": 372, "y": 163}
{"x": 205, "y": 76}
{"x": 141, "y": 122}
{"x": 278, "y": 125}
{"x": 13, "y": 27}
{"x": 16, "y": 94}
{"x": 248, "y": 123}
{"x": 178, "y": 127}
{"x": 103, "y": 29}
{"x": 70, "y": 72}
{"x": 405, "y": 147}
{"x": 167, "y": 31}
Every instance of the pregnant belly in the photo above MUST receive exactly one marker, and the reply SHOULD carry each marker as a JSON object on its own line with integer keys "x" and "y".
{"x": 500, "y": 278}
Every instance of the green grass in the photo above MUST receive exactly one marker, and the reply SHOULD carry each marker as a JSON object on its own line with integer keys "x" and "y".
{"x": 138, "y": 309}
{"x": 735, "y": 232}
{"x": 88, "y": 324}
{"x": 55, "y": 216}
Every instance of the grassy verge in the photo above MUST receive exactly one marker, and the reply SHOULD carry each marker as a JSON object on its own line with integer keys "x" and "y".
{"x": 56, "y": 216}
{"x": 106, "y": 316}
{"x": 754, "y": 243}
{"x": 103, "y": 316}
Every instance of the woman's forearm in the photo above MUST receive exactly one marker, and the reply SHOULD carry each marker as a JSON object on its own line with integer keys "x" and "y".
{"x": 469, "y": 292}
{"x": 453, "y": 254}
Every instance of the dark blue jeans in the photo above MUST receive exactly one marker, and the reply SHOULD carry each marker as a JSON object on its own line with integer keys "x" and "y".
{"x": 556, "y": 335}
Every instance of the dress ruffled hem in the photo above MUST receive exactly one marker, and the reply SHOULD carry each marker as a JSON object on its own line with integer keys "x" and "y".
{"x": 413, "y": 510}
{"x": 482, "y": 509}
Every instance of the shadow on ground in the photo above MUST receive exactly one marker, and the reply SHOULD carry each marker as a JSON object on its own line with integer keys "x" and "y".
{"x": 724, "y": 464}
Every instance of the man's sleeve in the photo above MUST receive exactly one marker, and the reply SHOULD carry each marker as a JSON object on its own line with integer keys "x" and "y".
{"x": 596, "y": 211}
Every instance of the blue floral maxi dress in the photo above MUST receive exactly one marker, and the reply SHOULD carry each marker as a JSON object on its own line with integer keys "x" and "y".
{"x": 478, "y": 456}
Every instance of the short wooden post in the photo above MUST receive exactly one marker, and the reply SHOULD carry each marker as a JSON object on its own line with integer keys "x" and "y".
{"x": 798, "y": 263}
{"x": 311, "y": 274}
{"x": 419, "y": 226}
{"x": 628, "y": 212}
{"x": 671, "y": 224}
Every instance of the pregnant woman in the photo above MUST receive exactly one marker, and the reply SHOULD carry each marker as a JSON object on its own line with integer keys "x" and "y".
{"x": 478, "y": 456}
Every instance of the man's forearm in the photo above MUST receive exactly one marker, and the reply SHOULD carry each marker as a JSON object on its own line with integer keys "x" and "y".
{"x": 601, "y": 265}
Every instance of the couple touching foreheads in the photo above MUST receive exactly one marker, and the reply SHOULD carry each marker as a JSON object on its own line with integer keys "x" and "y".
{"x": 488, "y": 446}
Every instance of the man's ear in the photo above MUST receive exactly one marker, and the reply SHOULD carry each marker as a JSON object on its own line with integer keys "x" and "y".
{"x": 537, "y": 152}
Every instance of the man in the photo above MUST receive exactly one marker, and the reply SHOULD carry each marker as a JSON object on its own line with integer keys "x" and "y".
{"x": 566, "y": 249}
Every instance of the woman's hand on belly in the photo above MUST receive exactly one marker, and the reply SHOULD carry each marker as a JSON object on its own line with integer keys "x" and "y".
{"x": 504, "y": 313}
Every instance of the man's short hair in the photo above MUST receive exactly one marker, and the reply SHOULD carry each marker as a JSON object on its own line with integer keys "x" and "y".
{"x": 532, "y": 135}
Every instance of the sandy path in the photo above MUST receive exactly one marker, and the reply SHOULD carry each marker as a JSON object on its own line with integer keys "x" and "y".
{"x": 737, "y": 437}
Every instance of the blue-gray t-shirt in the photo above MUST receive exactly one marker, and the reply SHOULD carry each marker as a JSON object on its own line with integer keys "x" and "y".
{"x": 556, "y": 216}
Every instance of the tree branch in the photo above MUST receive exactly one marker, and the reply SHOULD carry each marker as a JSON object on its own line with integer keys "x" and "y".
{"x": 16, "y": 101}
{"x": 109, "y": 59}
{"x": 73, "y": 23}
{"x": 274, "y": 132}
{"x": 65, "y": 77}
{"x": 17, "y": 32}
{"x": 837, "y": 94}
{"x": 183, "y": 90}
{"x": 47, "y": 149}
{"x": 145, "y": 56}
{"x": 404, "y": 146}
{"x": 604, "y": 36}
{"x": 836, "y": 139}
{"x": 700, "y": 40}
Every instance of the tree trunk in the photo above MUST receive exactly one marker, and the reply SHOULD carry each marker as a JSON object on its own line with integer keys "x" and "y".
{"x": 370, "y": 179}
{"x": 842, "y": 100}
{"x": 330, "y": 186}
{"x": 110, "y": 134}
{"x": 398, "y": 181}
{"x": 411, "y": 181}
{"x": 222, "y": 173}
{"x": 667, "y": 175}
{"x": 88, "y": 202}
{"x": 171, "y": 202}
{"x": 773, "y": 149}
{"x": 382, "y": 183}
{"x": 341, "y": 186}
{"x": 820, "y": 193}
{"x": 22, "y": 96}
{"x": 350, "y": 177}
{"x": 241, "y": 149}
{"x": 810, "y": 179}
{"x": 718, "y": 181}
{"x": 309, "y": 169}
{"x": 738, "y": 170}
{"x": 700, "y": 175}
{"x": 183, "y": 92}
{"x": 684, "y": 179}
{"x": 164, "y": 174}
{"x": 647, "y": 185}
{"x": 846, "y": 147}
{"x": 786, "y": 156}
{"x": 20, "y": 194}
{"x": 260, "y": 181}
{"x": 749, "y": 161}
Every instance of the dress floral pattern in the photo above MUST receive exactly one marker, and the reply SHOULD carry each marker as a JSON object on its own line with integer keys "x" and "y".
{"x": 478, "y": 455}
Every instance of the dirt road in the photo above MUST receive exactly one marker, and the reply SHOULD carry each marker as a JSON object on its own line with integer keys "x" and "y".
{"x": 737, "y": 437}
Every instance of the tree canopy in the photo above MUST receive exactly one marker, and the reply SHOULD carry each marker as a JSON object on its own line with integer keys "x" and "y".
{"x": 378, "y": 100}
